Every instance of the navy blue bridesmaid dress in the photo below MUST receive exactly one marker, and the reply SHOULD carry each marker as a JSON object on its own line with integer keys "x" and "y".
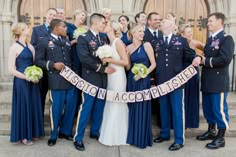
{"x": 191, "y": 100}
{"x": 27, "y": 115}
{"x": 125, "y": 38}
{"x": 140, "y": 113}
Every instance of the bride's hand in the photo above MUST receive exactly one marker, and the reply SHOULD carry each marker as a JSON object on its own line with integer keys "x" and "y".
{"x": 106, "y": 60}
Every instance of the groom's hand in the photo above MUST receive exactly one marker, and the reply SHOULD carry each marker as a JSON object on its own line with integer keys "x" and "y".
{"x": 59, "y": 66}
{"x": 109, "y": 70}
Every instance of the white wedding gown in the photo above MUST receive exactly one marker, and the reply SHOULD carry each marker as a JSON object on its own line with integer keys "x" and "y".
{"x": 114, "y": 126}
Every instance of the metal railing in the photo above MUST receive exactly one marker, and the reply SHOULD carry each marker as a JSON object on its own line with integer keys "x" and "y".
{"x": 233, "y": 87}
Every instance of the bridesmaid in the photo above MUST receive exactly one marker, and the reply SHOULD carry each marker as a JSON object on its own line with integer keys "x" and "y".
{"x": 79, "y": 17}
{"x": 192, "y": 86}
{"x": 140, "y": 114}
{"x": 26, "y": 116}
{"x": 124, "y": 21}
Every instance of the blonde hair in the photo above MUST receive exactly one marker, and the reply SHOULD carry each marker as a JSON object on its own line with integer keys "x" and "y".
{"x": 182, "y": 28}
{"x": 17, "y": 29}
{"x": 78, "y": 11}
{"x": 105, "y": 10}
{"x": 133, "y": 28}
{"x": 117, "y": 27}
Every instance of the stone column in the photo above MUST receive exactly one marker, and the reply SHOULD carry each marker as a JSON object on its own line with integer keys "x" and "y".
{"x": 5, "y": 42}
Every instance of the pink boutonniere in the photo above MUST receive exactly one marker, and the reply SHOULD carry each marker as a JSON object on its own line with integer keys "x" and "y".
{"x": 93, "y": 44}
{"x": 51, "y": 44}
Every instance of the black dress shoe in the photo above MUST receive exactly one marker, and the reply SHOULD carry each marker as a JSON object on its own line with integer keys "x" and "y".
{"x": 67, "y": 137}
{"x": 210, "y": 134}
{"x": 94, "y": 137}
{"x": 52, "y": 142}
{"x": 175, "y": 146}
{"x": 216, "y": 143}
{"x": 160, "y": 139}
{"x": 79, "y": 146}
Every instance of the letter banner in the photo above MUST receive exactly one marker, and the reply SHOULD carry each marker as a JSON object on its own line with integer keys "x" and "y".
{"x": 136, "y": 96}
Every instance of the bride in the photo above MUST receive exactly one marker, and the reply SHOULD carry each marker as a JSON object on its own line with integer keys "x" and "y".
{"x": 115, "y": 116}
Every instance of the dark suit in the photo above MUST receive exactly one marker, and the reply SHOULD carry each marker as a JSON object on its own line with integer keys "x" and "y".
{"x": 149, "y": 37}
{"x": 64, "y": 94}
{"x": 40, "y": 32}
{"x": 92, "y": 72}
{"x": 215, "y": 79}
{"x": 170, "y": 61}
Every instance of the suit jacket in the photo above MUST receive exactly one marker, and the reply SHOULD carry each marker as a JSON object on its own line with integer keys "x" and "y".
{"x": 215, "y": 72}
{"x": 38, "y": 33}
{"x": 92, "y": 66}
{"x": 49, "y": 51}
{"x": 148, "y": 36}
{"x": 170, "y": 59}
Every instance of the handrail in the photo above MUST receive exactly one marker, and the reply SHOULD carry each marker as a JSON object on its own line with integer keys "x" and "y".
{"x": 233, "y": 70}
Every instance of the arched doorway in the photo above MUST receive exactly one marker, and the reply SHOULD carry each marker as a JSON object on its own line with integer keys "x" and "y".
{"x": 193, "y": 12}
{"x": 33, "y": 11}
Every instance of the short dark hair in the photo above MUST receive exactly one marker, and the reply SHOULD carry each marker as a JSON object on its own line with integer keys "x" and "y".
{"x": 150, "y": 15}
{"x": 54, "y": 23}
{"x": 138, "y": 16}
{"x": 218, "y": 16}
{"x": 96, "y": 16}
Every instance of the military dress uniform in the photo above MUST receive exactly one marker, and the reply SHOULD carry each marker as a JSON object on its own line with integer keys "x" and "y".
{"x": 50, "y": 50}
{"x": 218, "y": 51}
{"x": 93, "y": 72}
{"x": 172, "y": 52}
{"x": 38, "y": 33}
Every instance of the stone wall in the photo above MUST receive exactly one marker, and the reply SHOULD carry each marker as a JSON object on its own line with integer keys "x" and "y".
{"x": 8, "y": 15}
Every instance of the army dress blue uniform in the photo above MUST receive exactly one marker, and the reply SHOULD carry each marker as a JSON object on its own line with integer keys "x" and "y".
{"x": 152, "y": 36}
{"x": 38, "y": 33}
{"x": 50, "y": 50}
{"x": 93, "y": 72}
{"x": 172, "y": 52}
{"x": 218, "y": 51}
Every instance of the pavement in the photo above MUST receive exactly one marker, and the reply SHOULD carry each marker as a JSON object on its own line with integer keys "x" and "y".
{"x": 63, "y": 148}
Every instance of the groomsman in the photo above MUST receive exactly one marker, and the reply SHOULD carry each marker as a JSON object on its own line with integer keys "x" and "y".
{"x": 38, "y": 33}
{"x": 53, "y": 54}
{"x": 152, "y": 34}
{"x": 94, "y": 72}
{"x": 141, "y": 18}
{"x": 218, "y": 54}
{"x": 172, "y": 52}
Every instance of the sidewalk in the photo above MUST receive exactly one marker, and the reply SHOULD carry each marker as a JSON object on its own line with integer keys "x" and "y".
{"x": 63, "y": 148}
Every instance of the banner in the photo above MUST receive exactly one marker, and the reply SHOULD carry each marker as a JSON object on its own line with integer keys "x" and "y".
{"x": 125, "y": 97}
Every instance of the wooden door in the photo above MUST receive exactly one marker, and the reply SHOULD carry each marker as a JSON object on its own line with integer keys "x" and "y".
{"x": 33, "y": 11}
{"x": 193, "y": 12}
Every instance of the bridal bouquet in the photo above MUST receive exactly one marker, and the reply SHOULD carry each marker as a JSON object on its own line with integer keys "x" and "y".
{"x": 139, "y": 71}
{"x": 78, "y": 32}
{"x": 33, "y": 73}
{"x": 104, "y": 51}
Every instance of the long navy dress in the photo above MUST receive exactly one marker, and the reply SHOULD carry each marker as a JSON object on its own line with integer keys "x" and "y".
{"x": 125, "y": 38}
{"x": 140, "y": 113}
{"x": 26, "y": 116}
{"x": 191, "y": 100}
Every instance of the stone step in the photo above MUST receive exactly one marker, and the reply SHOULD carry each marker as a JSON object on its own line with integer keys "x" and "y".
{"x": 5, "y": 115}
{"x": 5, "y": 130}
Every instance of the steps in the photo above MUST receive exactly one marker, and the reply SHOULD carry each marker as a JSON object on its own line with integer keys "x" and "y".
{"x": 5, "y": 115}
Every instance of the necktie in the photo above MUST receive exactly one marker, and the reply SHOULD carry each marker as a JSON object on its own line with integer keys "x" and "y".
{"x": 59, "y": 39}
{"x": 166, "y": 41}
{"x": 49, "y": 29}
{"x": 155, "y": 34}
{"x": 98, "y": 39}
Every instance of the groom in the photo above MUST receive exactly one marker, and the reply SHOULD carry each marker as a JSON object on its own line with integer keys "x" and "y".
{"x": 94, "y": 72}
